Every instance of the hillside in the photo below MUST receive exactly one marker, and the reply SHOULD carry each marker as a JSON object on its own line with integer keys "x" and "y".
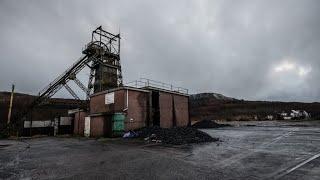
{"x": 217, "y": 106}
{"x": 210, "y": 97}
{"x": 53, "y": 108}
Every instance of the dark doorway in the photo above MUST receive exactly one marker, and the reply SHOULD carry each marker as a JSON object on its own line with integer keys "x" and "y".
{"x": 155, "y": 108}
{"x": 107, "y": 125}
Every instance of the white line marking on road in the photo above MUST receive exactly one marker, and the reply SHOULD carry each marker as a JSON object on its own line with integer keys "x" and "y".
{"x": 303, "y": 163}
{"x": 298, "y": 166}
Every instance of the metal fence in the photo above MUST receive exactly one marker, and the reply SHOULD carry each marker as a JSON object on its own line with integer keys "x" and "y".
{"x": 144, "y": 83}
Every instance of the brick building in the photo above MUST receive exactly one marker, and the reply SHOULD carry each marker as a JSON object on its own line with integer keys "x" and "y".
{"x": 138, "y": 107}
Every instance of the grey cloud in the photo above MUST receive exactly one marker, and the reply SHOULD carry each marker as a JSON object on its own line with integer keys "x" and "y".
{"x": 228, "y": 47}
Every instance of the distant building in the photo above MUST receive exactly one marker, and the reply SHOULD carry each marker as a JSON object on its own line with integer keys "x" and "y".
{"x": 269, "y": 117}
{"x": 295, "y": 114}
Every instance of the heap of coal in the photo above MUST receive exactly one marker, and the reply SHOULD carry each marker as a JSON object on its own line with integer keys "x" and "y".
{"x": 175, "y": 136}
{"x": 208, "y": 124}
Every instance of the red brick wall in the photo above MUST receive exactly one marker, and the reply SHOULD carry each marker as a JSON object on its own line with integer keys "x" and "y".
{"x": 97, "y": 126}
{"x": 165, "y": 102}
{"x": 79, "y": 123}
{"x": 97, "y": 103}
{"x": 181, "y": 110}
{"x": 119, "y": 100}
{"x": 166, "y": 111}
{"x": 137, "y": 110}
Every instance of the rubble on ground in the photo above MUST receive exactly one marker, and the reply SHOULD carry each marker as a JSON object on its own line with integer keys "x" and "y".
{"x": 208, "y": 124}
{"x": 175, "y": 136}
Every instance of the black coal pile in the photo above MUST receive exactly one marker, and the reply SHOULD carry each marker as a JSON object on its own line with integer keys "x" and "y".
{"x": 208, "y": 124}
{"x": 175, "y": 136}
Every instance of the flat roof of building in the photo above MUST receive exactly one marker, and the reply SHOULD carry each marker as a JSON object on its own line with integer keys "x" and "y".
{"x": 146, "y": 89}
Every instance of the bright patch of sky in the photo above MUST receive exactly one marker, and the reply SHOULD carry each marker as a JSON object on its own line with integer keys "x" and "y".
{"x": 288, "y": 66}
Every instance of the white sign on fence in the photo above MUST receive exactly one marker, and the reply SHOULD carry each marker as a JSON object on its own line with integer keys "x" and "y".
{"x": 65, "y": 121}
{"x": 37, "y": 124}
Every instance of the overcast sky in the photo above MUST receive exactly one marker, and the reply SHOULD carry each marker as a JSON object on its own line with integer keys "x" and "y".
{"x": 255, "y": 50}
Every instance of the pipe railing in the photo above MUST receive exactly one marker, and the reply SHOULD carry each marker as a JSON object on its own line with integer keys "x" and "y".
{"x": 144, "y": 82}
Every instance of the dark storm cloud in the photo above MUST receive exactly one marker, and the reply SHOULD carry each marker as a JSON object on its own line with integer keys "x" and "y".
{"x": 246, "y": 49}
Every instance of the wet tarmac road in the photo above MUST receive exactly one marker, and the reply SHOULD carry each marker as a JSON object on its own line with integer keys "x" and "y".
{"x": 260, "y": 150}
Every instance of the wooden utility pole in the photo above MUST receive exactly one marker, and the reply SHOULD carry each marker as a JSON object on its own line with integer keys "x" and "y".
{"x": 10, "y": 106}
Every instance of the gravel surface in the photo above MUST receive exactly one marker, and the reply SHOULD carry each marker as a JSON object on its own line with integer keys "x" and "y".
{"x": 269, "y": 150}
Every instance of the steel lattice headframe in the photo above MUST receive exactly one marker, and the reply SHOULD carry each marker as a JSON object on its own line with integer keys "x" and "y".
{"x": 102, "y": 56}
